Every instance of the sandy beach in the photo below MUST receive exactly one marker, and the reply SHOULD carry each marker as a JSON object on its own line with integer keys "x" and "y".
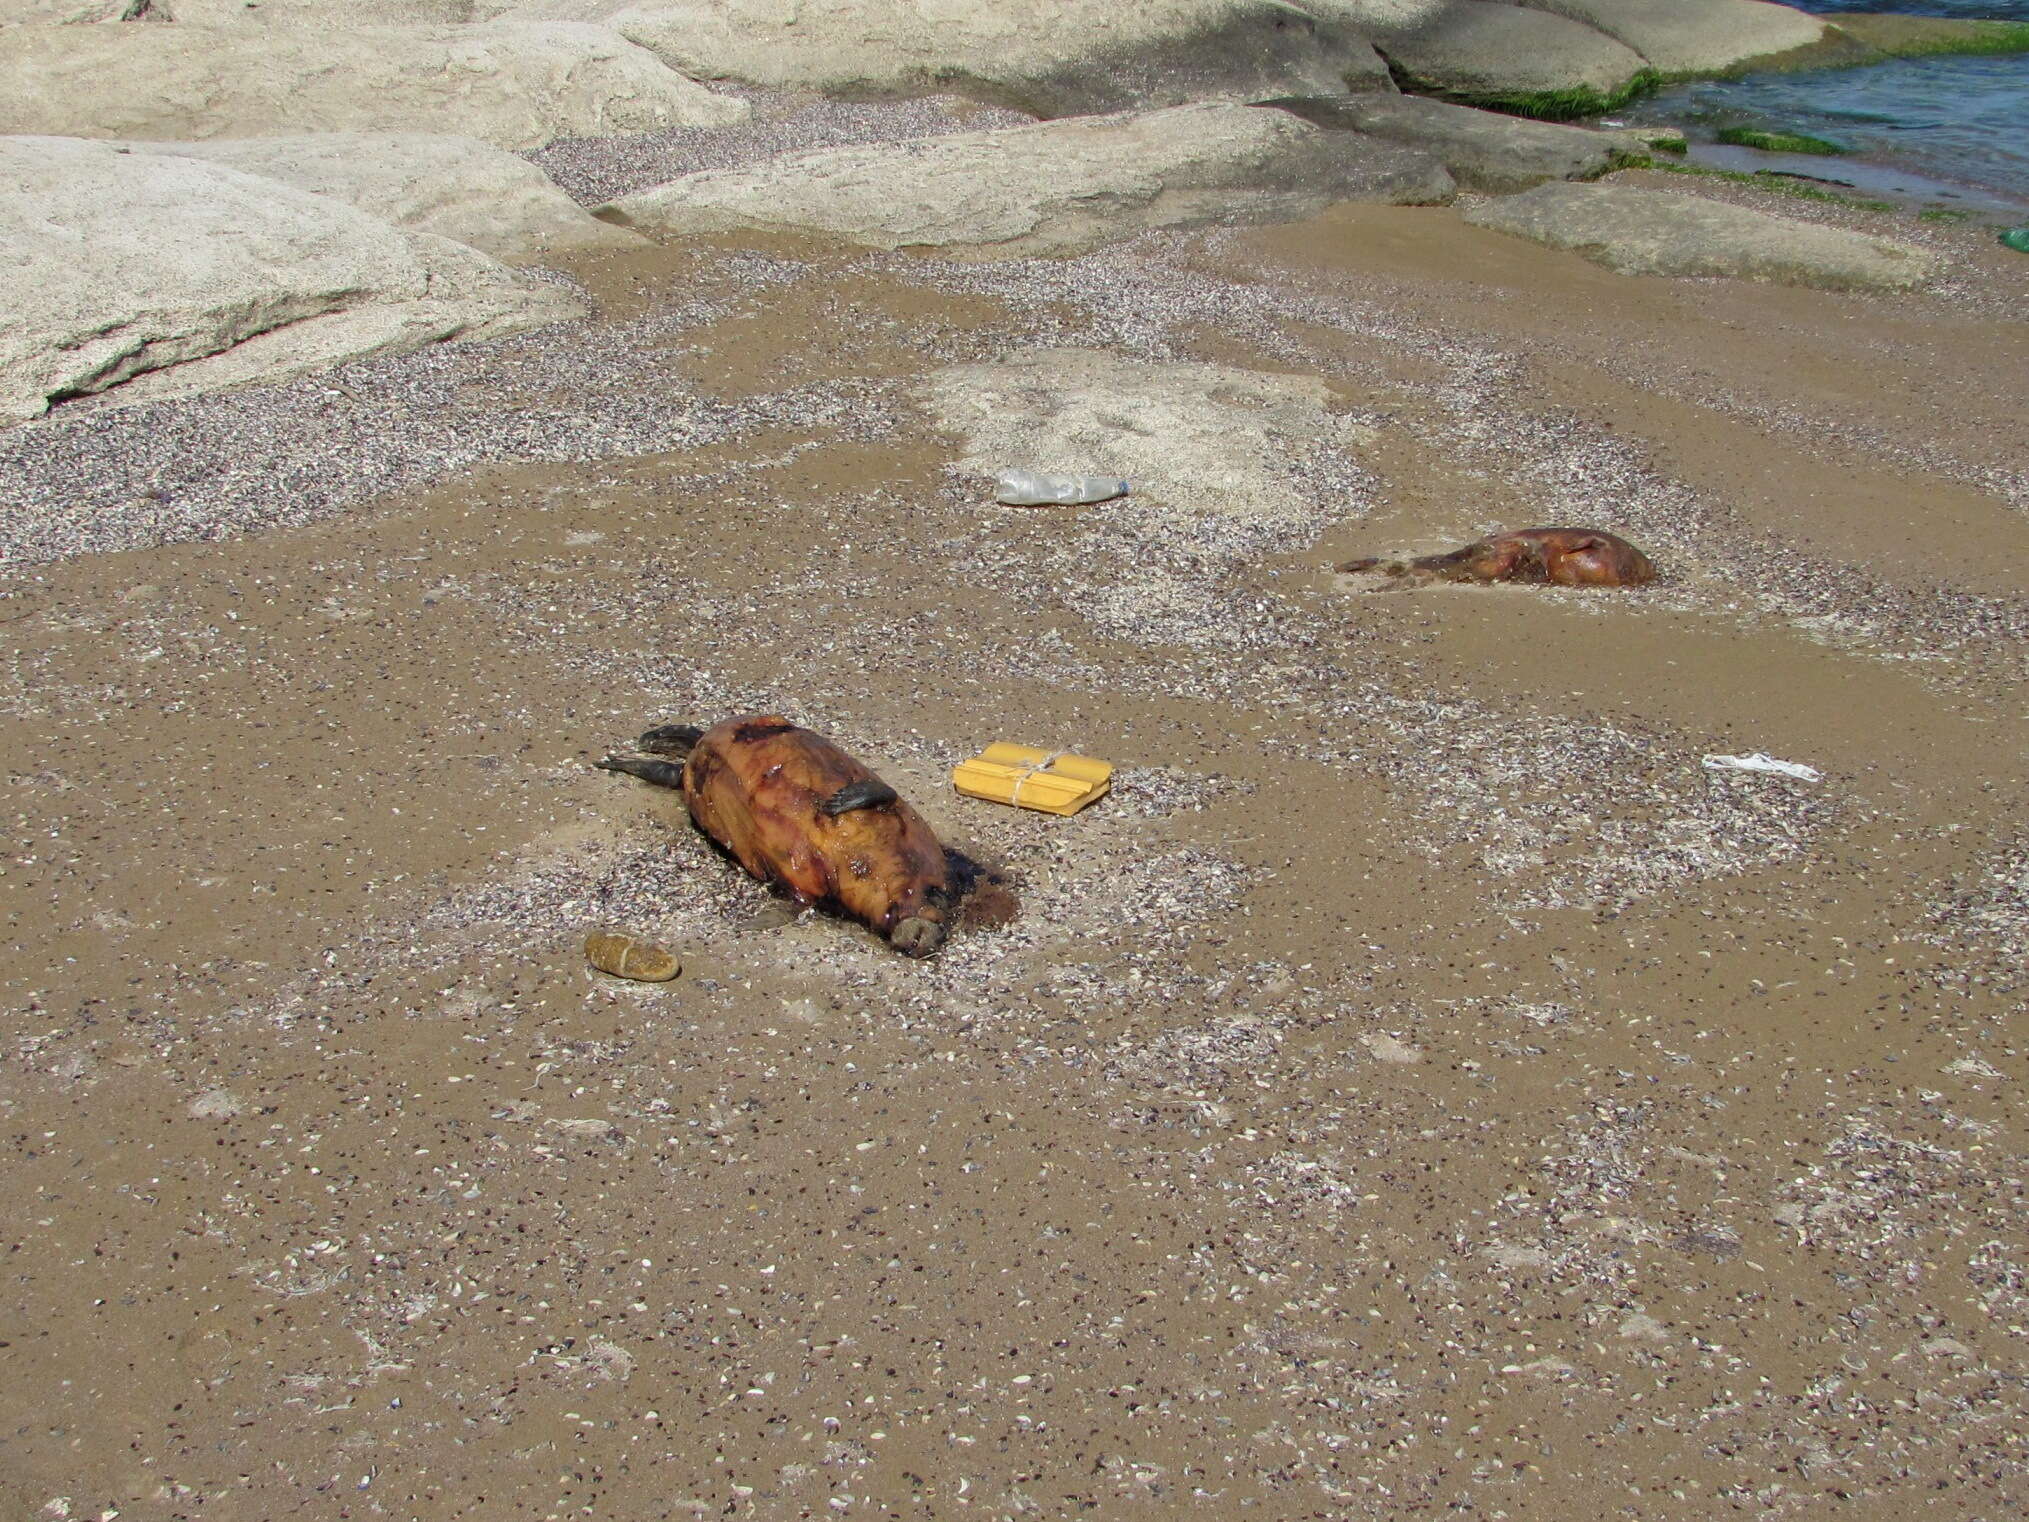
{"x": 1423, "y": 1087}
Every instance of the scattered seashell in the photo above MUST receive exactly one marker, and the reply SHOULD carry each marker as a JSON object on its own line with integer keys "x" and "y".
{"x": 1386, "y": 1048}
{"x": 1642, "y": 1327}
{"x": 216, "y": 1104}
{"x": 594, "y": 1128}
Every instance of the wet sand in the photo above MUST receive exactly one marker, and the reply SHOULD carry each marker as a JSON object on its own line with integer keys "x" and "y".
{"x": 1421, "y": 1088}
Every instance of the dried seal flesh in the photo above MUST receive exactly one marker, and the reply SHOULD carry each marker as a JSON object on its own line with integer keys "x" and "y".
{"x": 1565, "y": 557}
{"x": 796, "y": 811}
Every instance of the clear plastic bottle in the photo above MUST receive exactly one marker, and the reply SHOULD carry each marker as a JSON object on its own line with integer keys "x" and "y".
{"x": 1033, "y": 488}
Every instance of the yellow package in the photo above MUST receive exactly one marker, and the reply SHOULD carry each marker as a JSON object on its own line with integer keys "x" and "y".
{"x": 1048, "y": 780}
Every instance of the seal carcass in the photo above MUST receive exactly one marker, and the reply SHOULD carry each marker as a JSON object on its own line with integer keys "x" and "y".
{"x": 798, "y": 812}
{"x": 1565, "y": 557}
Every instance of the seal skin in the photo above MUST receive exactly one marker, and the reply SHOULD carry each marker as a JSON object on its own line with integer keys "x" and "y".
{"x": 1565, "y": 557}
{"x": 796, "y": 811}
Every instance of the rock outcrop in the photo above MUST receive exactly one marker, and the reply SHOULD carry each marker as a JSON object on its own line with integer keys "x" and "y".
{"x": 68, "y": 12}
{"x": 317, "y": 12}
{"x": 1515, "y": 59}
{"x": 261, "y": 12}
{"x": 1923, "y": 36}
{"x": 164, "y": 276}
{"x": 454, "y": 187}
{"x": 1068, "y": 57}
{"x": 1660, "y": 232}
{"x": 1482, "y": 150}
{"x": 1689, "y": 38}
{"x": 1054, "y": 188}
{"x": 512, "y": 84}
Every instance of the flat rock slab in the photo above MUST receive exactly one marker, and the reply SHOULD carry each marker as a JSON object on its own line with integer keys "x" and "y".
{"x": 165, "y": 276}
{"x": 1660, "y": 232}
{"x": 1062, "y": 58}
{"x": 1207, "y": 441}
{"x": 1694, "y": 37}
{"x": 1482, "y": 150}
{"x": 1921, "y": 36}
{"x": 512, "y": 84}
{"x": 454, "y": 187}
{"x": 1485, "y": 54}
{"x": 60, "y": 12}
{"x": 260, "y": 12}
{"x": 1054, "y": 188}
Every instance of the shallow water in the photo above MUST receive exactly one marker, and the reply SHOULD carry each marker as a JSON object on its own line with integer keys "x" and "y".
{"x": 1965, "y": 10}
{"x": 1959, "y": 119}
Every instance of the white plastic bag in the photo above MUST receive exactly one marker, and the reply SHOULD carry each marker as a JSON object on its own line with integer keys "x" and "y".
{"x": 1757, "y": 762}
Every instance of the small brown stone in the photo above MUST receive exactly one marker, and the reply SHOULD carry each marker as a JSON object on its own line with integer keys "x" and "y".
{"x": 625, "y": 957}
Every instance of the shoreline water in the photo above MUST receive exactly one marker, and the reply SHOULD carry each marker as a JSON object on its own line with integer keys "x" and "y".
{"x": 1856, "y": 179}
{"x": 1945, "y": 131}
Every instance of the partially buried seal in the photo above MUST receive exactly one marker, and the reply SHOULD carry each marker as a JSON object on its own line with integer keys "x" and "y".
{"x": 798, "y": 812}
{"x": 1565, "y": 557}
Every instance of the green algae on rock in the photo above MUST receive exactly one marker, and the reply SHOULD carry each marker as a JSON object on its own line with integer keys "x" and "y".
{"x": 1514, "y": 59}
{"x": 1777, "y": 142}
{"x": 1570, "y": 104}
{"x": 1786, "y": 185}
{"x": 1563, "y": 105}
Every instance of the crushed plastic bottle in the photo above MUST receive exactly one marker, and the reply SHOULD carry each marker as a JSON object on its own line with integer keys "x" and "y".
{"x": 1760, "y": 762}
{"x": 1033, "y": 488}
{"x": 2017, "y": 238}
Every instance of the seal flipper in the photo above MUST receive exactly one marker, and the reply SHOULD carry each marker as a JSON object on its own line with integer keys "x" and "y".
{"x": 869, "y": 793}
{"x": 670, "y": 740}
{"x": 661, "y": 773}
